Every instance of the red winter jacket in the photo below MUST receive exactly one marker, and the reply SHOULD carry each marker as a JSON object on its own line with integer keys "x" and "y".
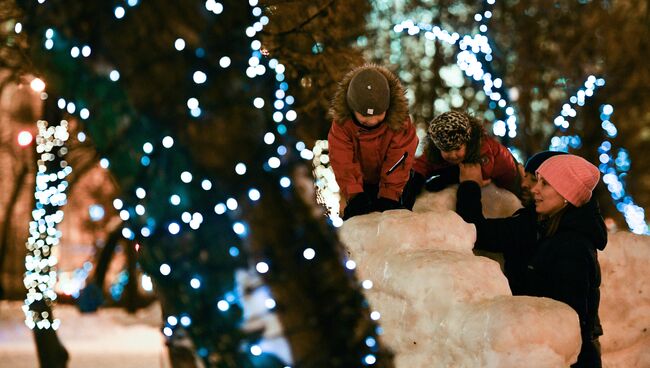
{"x": 366, "y": 156}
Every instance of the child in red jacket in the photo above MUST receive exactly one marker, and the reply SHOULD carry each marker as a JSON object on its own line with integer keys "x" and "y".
{"x": 456, "y": 137}
{"x": 372, "y": 140}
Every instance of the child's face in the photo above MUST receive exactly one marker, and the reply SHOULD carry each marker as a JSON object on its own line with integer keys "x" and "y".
{"x": 370, "y": 121}
{"x": 456, "y": 156}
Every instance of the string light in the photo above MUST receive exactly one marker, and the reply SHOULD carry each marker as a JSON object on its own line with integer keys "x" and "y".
{"x": 40, "y": 263}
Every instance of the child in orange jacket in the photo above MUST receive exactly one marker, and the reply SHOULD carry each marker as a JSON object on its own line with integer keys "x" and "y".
{"x": 372, "y": 140}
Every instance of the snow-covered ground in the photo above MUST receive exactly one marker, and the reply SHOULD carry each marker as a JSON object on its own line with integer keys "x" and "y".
{"x": 109, "y": 338}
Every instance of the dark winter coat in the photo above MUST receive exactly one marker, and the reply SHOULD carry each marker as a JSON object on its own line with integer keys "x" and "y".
{"x": 515, "y": 236}
{"x": 563, "y": 266}
{"x": 497, "y": 163}
{"x": 360, "y": 156}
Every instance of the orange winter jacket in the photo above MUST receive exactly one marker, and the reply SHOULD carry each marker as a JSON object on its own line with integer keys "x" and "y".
{"x": 379, "y": 156}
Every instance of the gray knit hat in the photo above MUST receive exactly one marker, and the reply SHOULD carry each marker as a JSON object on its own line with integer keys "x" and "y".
{"x": 449, "y": 130}
{"x": 368, "y": 92}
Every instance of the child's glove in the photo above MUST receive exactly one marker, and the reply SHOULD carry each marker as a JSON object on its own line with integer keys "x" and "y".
{"x": 358, "y": 205}
{"x": 385, "y": 204}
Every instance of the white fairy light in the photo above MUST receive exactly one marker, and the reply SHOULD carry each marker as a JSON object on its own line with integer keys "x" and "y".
{"x": 40, "y": 276}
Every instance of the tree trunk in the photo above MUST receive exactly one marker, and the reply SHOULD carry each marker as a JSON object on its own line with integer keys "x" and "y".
{"x": 51, "y": 353}
{"x": 6, "y": 226}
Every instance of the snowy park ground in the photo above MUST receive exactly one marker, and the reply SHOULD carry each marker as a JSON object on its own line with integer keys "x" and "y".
{"x": 108, "y": 338}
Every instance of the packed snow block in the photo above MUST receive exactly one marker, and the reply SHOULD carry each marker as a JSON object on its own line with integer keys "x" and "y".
{"x": 400, "y": 231}
{"x": 415, "y": 291}
{"x": 440, "y": 305}
{"x": 497, "y": 202}
{"x": 506, "y": 331}
{"x": 625, "y": 300}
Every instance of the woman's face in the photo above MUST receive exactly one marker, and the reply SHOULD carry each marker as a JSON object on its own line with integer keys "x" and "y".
{"x": 456, "y": 156}
{"x": 370, "y": 121}
{"x": 547, "y": 200}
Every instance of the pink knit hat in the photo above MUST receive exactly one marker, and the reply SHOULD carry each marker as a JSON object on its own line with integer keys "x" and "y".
{"x": 573, "y": 177}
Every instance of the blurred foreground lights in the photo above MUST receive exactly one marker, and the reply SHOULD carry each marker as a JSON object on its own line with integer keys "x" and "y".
{"x": 269, "y": 303}
{"x": 168, "y": 142}
{"x": 375, "y": 315}
{"x": 224, "y": 62}
{"x": 119, "y": 12}
{"x": 240, "y": 169}
{"x": 254, "y": 194}
{"x": 186, "y": 177}
{"x": 114, "y": 75}
{"x": 371, "y": 342}
{"x": 117, "y": 204}
{"x": 147, "y": 285}
{"x": 274, "y": 162}
{"x": 239, "y": 228}
{"x": 167, "y": 331}
{"x": 309, "y": 254}
{"x": 186, "y": 321}
{"x": 231, "y": 203}
{"x": 173, "y": 228}
{"x": 350, "y": 264}
{"x": 165, "y": 269}
{"x": 37, "y": 85}
{"x": 96, "y": 212}
{"x": 175, "y": 199}
{"x": 140, "y": 193}
{"x": 195, "y": 283}
{"x": 104, "y": 163}
{"x": 179, "y": 44}
{"x": 256, "y": 350}
{"x": 369, "y": 359}
{"x": 84, "y": 113}
{"x": 262, "y": 267}
{"x": 366, "y": 284}
{"x": 306, "y": 154}
{"x": 223, "y": 305}
{"x": 285, "y": 182}
{"x": 25, "y": 138}
{"x": 269, "y": 138}
{"x": 220, "y": 209}
{"x": 172, "y": 320}
{"x": 206, "y": 184}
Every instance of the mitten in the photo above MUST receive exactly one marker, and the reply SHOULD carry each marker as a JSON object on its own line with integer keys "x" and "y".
{"x": 358, "y": 205}
{"x": 385, "y": 204}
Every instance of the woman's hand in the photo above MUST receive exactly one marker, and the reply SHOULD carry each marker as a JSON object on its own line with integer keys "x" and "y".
{"x": 472, "y": 172}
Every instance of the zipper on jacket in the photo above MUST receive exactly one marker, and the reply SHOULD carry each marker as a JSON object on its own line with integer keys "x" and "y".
{"x": 402, "y": 160}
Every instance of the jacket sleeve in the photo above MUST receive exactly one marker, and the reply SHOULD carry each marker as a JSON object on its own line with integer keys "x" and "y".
{"x": 504, "y": 235}
{"x": 504, "y": 168}
{"x": 347, "y": 169}
{"x": 398, "y": 162}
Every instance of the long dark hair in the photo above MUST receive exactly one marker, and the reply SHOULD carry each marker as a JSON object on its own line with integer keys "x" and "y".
{"x": 551, "y": 223}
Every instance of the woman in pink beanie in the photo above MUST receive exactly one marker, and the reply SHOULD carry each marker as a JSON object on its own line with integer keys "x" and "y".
{"x": 571, "y": 230}
{"x": 551, "y": 250}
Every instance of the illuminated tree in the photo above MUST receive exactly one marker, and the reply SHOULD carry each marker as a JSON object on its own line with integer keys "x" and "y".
{"x": 209, "y": 169}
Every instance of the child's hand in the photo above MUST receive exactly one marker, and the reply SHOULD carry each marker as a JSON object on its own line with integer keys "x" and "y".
{"x": 472, "y": 172}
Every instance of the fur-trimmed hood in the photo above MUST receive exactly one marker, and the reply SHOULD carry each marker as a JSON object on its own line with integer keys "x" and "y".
{"x": 398, "y": 110}
{"x": 473, "y": 147}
